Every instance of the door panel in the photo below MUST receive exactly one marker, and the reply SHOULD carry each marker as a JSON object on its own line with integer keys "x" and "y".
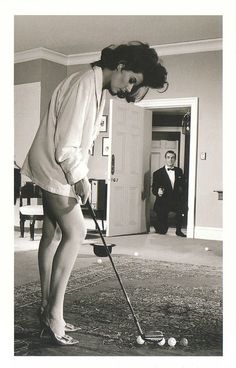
{"x": 125, "y": 183}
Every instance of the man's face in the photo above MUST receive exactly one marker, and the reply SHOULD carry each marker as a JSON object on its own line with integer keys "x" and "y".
{"x": 170, "y": 159}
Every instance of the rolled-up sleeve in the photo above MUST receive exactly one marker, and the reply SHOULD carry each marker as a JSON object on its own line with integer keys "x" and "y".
{"x": 69, "y": 131}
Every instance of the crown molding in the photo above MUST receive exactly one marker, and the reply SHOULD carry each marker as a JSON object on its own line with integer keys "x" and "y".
{"x": 189, "y": 47}
{"x": 56, "y": 57}
{"x": 86, "y": 58}
{"x": 40, "y": 53}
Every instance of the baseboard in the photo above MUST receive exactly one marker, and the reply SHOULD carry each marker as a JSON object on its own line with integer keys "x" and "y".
{"x": 210, "y": 233}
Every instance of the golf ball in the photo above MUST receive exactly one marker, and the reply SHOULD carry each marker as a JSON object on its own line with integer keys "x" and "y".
{"x": 206, "y": 249}
{"x": 171, "y": 341}
{"x": 140, "y": 341}
{"x": 184, "y": 342}
{"x": 162, "y": 342}
{"x": 99, "y": 260}
{"x": 136, "y": 254}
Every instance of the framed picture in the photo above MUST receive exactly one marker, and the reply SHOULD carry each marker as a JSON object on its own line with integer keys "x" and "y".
{"x": 105, "y": 146}
{"x": 103, "y": 124}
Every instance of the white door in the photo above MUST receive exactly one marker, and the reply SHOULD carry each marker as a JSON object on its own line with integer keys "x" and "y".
{"x": 159, "y": 148}
{"x": 125, "y": 168}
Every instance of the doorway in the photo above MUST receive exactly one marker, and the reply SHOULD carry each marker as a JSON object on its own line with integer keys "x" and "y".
{"x": 177, "y": 104}
{"x": 169, "y": 133}
{"x": 192, "y": 105}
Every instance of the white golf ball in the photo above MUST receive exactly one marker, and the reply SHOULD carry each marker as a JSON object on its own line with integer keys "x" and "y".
{"x": 162, "y": 342}
{"x": 184, "y": 341}
{"x": 206, "y": 249}
{"x": 99, "y": 260}
{"x": 171, "y": 341}
{"x": 140, "y": 341}
{"x": 136, "y": 254}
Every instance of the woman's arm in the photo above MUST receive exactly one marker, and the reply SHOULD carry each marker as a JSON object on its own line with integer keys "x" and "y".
{"x": 69, "y": 131}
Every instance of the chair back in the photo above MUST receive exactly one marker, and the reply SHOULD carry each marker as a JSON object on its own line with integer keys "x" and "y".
{"x": 29, "y": 191}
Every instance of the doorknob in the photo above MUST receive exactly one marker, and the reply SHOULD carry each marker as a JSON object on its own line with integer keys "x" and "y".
{"x": 115, "y": 180}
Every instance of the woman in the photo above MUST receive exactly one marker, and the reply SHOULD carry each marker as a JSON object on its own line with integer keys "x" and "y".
{"x": 57, "y": 163}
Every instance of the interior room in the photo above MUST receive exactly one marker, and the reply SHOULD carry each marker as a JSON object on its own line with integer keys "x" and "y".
{"x": 174, "y": 282}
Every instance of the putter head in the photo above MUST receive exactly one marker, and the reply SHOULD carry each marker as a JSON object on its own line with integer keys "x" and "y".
{"x": 153, "y": 336}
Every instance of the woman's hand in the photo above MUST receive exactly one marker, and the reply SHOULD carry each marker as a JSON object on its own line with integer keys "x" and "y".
{"x": 82, "y": 189}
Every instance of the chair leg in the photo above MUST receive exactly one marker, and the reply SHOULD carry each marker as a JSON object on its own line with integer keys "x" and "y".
{"x": 22, "y": 226}
{"x": 32, "y": 222}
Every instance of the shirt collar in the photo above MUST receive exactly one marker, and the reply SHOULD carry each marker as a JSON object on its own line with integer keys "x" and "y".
{"x": 98, "y": 76}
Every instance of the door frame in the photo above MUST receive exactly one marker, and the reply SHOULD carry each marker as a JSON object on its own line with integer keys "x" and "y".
{"x": 191, "y": 102}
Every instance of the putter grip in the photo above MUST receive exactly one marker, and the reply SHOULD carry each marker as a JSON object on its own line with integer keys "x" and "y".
{"x": 93, "y": 215}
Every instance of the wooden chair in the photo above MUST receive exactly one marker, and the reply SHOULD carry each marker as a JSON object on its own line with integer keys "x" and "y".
{"x": 32, "y": 210}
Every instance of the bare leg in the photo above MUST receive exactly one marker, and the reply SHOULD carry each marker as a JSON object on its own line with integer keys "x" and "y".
{"x": 67, "y": 213}
{"x": 47, "y": 247}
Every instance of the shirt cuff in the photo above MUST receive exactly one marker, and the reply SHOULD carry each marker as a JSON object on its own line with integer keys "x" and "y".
{"x": 78, "y": 173}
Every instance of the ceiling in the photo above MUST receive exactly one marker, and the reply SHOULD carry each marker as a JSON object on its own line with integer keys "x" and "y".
{"x": 81, "y": 34}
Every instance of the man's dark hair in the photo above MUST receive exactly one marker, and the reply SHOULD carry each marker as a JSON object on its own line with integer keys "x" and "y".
{"x": 172, "y": 152}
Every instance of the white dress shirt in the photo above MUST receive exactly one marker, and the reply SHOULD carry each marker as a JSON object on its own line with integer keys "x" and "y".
{"x": 59, "y": 154}
{"x": 171, "y": 174}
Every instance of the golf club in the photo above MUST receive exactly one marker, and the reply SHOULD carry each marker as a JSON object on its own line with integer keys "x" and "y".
{"x": 153, "y": 336}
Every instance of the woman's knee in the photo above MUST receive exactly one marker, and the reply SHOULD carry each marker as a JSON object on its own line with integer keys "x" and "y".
{"x": 52, "y": 236}
{"x": 75, "y": 235}
{"x": 83, "y": 232}
{"x": 48, "y": 238}
{"x": 48, "y": 231}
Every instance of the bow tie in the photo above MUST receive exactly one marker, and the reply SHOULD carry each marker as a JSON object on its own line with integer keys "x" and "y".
{"x": 172, "y": 169}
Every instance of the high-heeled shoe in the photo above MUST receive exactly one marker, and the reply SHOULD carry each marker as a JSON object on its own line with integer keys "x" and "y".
{"x": 69, "y": 327}
{"x": 62, "y": 340}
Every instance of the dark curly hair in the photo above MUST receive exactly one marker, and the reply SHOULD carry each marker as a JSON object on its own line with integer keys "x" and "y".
{"x": 140, "y": 58}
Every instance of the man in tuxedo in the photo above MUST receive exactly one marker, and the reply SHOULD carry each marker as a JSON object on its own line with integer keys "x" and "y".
{"x": 169, "y": 187}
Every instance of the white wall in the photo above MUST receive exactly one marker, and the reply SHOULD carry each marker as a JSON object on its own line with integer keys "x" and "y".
{"x": 200, "y": 75}
{"x": 27, "y": 104}
{"x": 26, "y": 117}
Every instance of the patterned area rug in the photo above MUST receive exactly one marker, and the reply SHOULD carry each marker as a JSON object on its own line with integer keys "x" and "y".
{"x": 182, "y": 300}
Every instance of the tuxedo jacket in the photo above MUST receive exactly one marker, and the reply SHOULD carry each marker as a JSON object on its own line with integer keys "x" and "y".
{"x": 172, "y": 198}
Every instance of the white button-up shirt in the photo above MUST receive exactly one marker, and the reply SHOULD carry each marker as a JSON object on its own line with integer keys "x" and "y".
{"x": 59, "y": 153}
{"x": 171, "y": 174}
